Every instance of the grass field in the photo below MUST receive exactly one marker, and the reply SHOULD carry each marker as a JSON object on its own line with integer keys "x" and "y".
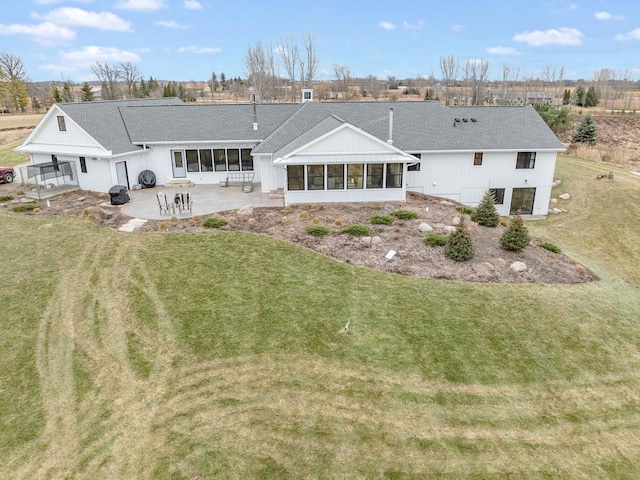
{"x": 219, "y": 355}
{"x": 11, "y": 158}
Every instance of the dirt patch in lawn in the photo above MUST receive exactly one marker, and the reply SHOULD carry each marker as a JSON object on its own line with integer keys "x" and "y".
{"x": 491, "y": 263}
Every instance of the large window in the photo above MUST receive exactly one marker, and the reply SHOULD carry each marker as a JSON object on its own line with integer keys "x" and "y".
{"x": 233, "y": 159}
{"x": 246, "y": 159}
{"x": 335, "y": 177}
{"x": 374, "y": 175}
{"x": 526, "y": 160}
{"x": 522, "y": 201}
{"x": 295, "y": 177}
{"x": 355, "y": 175}
{"x": 315, "y": 177}
{"x": 498, "y": 195}
{"x": 206, "y": 161}
{"x": 477, "y": 159}
{"x": 220, "y": 160}
{"x": 192, "y": 161}
{"x": 394, "y": 175}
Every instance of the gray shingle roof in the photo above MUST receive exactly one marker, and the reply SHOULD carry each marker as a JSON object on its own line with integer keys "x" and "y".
{"x": 103, "y": 121}
{"x": 417, "y": 126}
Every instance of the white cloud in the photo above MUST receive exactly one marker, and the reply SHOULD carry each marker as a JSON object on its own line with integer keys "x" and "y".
{"x": 192, "y": 5}
{"x": 456, "y": 28}
{"x": 562, "y": 36}
{"x": 51, "y": 2}
{"x": 607, "y": 16}
{"x": 417, "y": 26}
{"x": 632, "y": 35}
{"x": 141, "y": 5}
{"x": 77, "y": 17}
{"x": 198, "y": 50}
{"x": 502, "y": 50}
{"x": 45, "y": 33}
{"x": 171, "y": 24}
{"x": 386, "y": 25}
{"x": 88, "y": 55}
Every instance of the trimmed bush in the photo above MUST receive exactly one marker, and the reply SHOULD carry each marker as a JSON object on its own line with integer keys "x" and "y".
{"x": 25, "y": 207}
{"x": 465, "y": 210}
{"x": 516, "y": 236}
{"x": 318, "y": 230}
{"x": 459, "y": 246}
{"x": 435, "y": 240}
{"x": 6, "y": 198}
{"x": 551, "y": 247}
{"x": 357, "y": 230}
{"x": 486, "y": 214}
{"x": 214, "y": 222}
{"x": 404, "y": 214}
{"x": 382, "y": 220}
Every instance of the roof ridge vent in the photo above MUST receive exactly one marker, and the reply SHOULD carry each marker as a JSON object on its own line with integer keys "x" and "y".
{"x": 474, "y": 120}
{"x": 465, "y": 120}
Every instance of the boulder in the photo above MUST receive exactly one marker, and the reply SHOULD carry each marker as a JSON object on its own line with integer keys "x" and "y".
{"x": 246, "y": 210}
{"x": 489, "y": 266}
{"x": 425, "y": 228}
{"x": 455, "y": 221}
{"x": 388, "y": 208}
{"x": 518, "y": 267}
{"x": 553, "y": 201}
{"x": 564, "y": 196}
{"x": 106, "y": 214}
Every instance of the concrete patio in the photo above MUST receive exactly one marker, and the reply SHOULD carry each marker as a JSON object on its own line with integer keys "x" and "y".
{"x": 207, "y": 199}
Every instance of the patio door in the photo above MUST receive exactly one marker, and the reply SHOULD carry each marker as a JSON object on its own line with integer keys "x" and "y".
{"x": 121, "y": 173}
{"x": 522, "y": 201}
{"x": 177, "y": 163}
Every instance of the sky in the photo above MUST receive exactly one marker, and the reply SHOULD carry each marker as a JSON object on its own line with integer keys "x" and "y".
{"x": 186, "y": 40}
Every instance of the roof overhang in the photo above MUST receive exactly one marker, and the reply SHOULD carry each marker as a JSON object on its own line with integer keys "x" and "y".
{"x": 74, "y": 150}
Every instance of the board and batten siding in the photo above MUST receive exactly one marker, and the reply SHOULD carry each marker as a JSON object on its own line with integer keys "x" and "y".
{"x": 74, "y": 135}
{"x": 346, "y": 141}
{"x": 454, "y": 176}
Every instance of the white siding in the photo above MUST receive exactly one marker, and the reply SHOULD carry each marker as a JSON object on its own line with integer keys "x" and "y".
{"x": 453, "y": 176}
{"x": 347, "y": 141}
{"x": 345, "y": 196}
{"x": 50, "y": 133}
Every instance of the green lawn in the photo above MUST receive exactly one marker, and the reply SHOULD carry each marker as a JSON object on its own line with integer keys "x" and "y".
{"x": 220, "y": 355}
{"x": 10, "y": 158}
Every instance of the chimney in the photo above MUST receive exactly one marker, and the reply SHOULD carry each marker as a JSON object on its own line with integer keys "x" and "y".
{"x": 390, "y": 141}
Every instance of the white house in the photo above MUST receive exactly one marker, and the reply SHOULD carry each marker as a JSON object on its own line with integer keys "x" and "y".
{"x": 313, "y": 152}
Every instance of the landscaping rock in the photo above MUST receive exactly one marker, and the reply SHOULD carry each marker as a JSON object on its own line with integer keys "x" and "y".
{"x": 27, "y": 200}
{"x": 246, "y": 210}
{"x": 455, "y": 221}
{"x": 366, "y": 240}
{"x": 518, "y": 267}
{"x": 556, "y": 210}
{"x": 425, "y": 228}
{"x": 553, "y": 201}
{"x": 81, "y": 199}
{"x": 446, "y": 203}
{"x": 489, "y": 266}
{"x": 556, "y": 182}
{"x": 564, "y": 196}
{"x": 376, "y": 240}
{"x": 449, "y": 229}
{"x": 388, "y": 208}
{"x": 106, "y": 214}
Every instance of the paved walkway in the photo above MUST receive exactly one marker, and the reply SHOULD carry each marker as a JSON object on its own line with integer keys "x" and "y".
{"x": 207, "y": 199}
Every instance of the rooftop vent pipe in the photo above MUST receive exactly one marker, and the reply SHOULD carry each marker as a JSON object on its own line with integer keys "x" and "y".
{"x": 390, "y": 141}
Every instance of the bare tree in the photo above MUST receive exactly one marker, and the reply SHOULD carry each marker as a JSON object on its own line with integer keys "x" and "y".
{"x": 374, "y": 86}
{"x": 312, "y": 61}
{"x": 343, "y": 80}
{"x": 130, "y": 74}
{"x": 476, "y": 72}
{"x": 450, "y": 68}
{"x": 261, "y": 72}
{"x": 604, "y": 79}
{"x": 108, "y": 76}
{"x": 290, "y": 57}
{"x": 12, "y": 67}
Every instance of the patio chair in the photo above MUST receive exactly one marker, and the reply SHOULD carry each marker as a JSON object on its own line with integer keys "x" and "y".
{"x": 183, "y": 202}
{"x": 163, "y": 204}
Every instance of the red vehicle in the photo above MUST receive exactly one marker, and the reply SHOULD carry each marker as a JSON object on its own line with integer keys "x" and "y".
{"x": 7, "y": 174}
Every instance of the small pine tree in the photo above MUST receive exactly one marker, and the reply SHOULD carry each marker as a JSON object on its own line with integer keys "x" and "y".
{"x": 578, "y": 96}
{"x": 86, "y": 94}
{"x": 566, "y": 98}
{"x": 516, "y": 236}
{"x": 67, "y": 96}
{"x": 459, "y": 246}
{"x": 591, "y": 99}
{"x": 486, "y": 214}
{"x": 587, "y": 132}
{"x": 55, "y": 93}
